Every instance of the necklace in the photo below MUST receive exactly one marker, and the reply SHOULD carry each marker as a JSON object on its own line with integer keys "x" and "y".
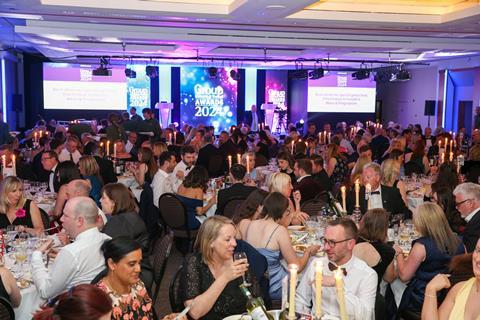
{"x": 109, "y": 284}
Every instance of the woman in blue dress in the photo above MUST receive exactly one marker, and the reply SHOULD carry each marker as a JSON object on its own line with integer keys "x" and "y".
{"x": 270, "y": 237}
{"x": 191, "y": 192}
{"x": 90, "y": 171}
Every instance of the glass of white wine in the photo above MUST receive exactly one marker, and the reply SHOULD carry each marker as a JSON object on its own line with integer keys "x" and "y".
{"x": 239, "y": 256}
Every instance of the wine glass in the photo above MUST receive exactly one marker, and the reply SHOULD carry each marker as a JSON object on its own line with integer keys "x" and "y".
{"x": 239, "y": 256}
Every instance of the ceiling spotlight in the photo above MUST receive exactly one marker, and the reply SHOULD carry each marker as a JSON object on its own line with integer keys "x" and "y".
{"x": 103, "y": 70}
{"x": 316, "y": 73}
{"x": 212, "y": 72}
{"x": 151, "y": 71}
{"x": 235, "y": 75}
{"x": 400, "y": 75}
{"x": 361, "y": 74}
{"x": 299, "y": 74}
{"x": 129, "y": 73}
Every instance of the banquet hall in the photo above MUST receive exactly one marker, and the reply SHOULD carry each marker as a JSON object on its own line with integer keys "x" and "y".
{"x": 239, "y": 159}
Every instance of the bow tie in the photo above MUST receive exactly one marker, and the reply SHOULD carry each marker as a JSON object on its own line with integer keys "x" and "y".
{"x": 333, "y": 267}
{"x": 188, "y": 168}
{"x": 375, "y": 192}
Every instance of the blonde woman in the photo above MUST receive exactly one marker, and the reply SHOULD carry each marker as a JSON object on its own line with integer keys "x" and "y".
{"x": 15, "y": 209}
{"x": 395, "y": 144}
{"x": 211, "y": 276}
{"x": 90, "y": 171}
{"x": 281, "y": 182}
{"x": 158, "y": 148}
{"x": 358, "y": 168}
{"x": 429, "y": 256}
{"x": 337, "y": 167}
{"x": 391, "y": 177}
{"x": 461, "y": 301}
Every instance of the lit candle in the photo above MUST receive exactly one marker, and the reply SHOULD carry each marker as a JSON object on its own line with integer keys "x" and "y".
{"x": 41, "y": 132}
{"x": 293, "y": 146}
{"x": 439, "y": 144}
{"x": 451, "y": 156}
{"x": 357, "y": 193}
{"x": 108, "y": 148}
{"x": 35, "y": 137}
{"x": 115, "y": 150}
{"x": 170, "y": 138}
{"x": 368, "y": 190}
{"x": 318, "y": 288}
{"x": 446, "y": 143}
{"x": 343, "y": 189}
{"x": 229, "y": 162}
{"x": 319, "y": 138}
{"x": 324, "y": 137}
{"x": 175, "y": 137}
{"x": 329, "y": 134}
{"x": 239, "y": 158}
{"x": 248, "y": 163}
{"x": 14, "y": 166}
{"x": 442, "y": 157}
{"x": 340, "y": 294}
{"x": 293, "y": 284}
{"x": 451, "y": 145}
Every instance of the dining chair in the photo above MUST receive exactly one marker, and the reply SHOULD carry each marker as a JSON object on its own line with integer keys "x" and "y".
{"x": 174, "y": 292}
{"x": 6, "y": 310}
{"x": 231, "y": 206}
{"x": 160, "y": 255}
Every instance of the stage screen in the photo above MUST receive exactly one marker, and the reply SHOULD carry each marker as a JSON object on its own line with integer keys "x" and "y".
{"x": 338, "y": 92}
{"x": 70, "y": 86}
{"x": 208, "y": 100}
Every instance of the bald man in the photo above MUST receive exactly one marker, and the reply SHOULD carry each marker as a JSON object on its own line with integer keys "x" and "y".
{"x": 78, "y": 262}
{"x": 82, "y": 188}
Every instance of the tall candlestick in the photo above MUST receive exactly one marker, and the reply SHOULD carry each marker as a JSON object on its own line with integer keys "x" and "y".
{"x": 35, "y": 137}
{"x": 170, "y": 138}
{"x": 442, "y": 157}
{"x": 293, "y": 285}
{"x": 108, "y": 148}
{"x": 293, "y": 146}
{"x": 439, "y": 144}
{"x": 324, "y": 137}
{"x": 319, "y": 138}
{"x": 329, "y": 135}
{"x": 451, "y": 145}
{"x": 239, "y": 158}
{"x": 229, "y": 162}
{"x": 115, "y": 150}
{"x": 446, "y": 143}
{"x": 368, "y": 190}
{"x": 451, "y": 156}
{"x": 41, "y": 133}
{"x": 340, "y": 294}
{"x": 248, "y": 163}
{"x": 175, "y": 137}
{"x": 318, "y": 288}
{"x": 14, "y": 166}
{"x": 343, "y": 189}
{"x": 357, "y": 193}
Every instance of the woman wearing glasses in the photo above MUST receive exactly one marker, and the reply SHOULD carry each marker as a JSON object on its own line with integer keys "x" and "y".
{"x": 429, "y": 256}
{"x": 270, "y": 236}
{"x": 461, "y": 301}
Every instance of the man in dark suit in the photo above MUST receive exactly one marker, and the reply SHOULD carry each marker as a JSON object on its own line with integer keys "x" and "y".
{"x": 50, "y": 163}
{"x": 237, "y": 190}
{"x": 319, "y": 173}
{"x": 306, "y": 184}
{"x": 209, "y": 153}
{"x": 379, "y": 144}
{"x": 227, "y": 147}
{"x": 467, "y": 201}
{"x": 381, "y": 196}
{"x": 253, "y": 118}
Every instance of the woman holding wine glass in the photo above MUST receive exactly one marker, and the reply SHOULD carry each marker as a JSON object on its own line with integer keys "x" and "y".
{"x": 211, "y": 277}
{"x": 15, "y": 209}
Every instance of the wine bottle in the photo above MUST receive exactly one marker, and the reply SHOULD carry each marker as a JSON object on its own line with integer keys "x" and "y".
{"x": 336, "y": 206}
{"x": 255, "y": 306}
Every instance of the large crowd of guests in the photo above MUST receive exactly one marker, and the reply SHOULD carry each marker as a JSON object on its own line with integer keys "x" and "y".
{"x": 103, "y": 269}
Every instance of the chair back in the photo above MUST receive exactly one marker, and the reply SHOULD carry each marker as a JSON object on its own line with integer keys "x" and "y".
{"x": 6, "y": 310}
{"x": 160, "y": 254}
{"x": 231, "y": 207}
{"x": 172, "y": 211}
{"x": 174, "y": 292}
{"x": 148, "y": 212}
{"x": 216, "y": 165}
{"x": 313, "y": 207}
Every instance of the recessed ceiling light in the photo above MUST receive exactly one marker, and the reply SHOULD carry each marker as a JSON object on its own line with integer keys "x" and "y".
{"x": 275, "y": 7}
{"x": 60, "y": 37}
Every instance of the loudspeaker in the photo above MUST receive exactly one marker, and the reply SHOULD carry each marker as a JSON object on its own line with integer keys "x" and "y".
{"x": 17, "y": 102}
{"x": 430, "y": 107}
{"x": 378, "y": 110}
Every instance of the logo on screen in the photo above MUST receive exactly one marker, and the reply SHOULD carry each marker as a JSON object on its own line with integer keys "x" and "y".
{"x": 85, "y": 75}
{"x": 341, "y": 81}
{"x": 207, "y": 96}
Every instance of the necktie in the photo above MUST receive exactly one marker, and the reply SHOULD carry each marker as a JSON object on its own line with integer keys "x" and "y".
{"x": 333, "y": 267}
{"x": 71, "y": 157}
{"x": 375, "y": 192}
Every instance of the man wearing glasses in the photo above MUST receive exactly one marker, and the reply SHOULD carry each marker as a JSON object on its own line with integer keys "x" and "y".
{"x": 467, "y": 201}
{"x": 360, "y": 281}
{"x": 49, "y": 163}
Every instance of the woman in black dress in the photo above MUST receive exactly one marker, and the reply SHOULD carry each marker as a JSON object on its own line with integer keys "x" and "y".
{"x": 15, "y": 209}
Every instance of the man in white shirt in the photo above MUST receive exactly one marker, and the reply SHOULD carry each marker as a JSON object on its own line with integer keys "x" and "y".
{"x": 162, "y": 183}
{"x": 82, "y": 188}
{"x": 467, "y": 201}
{"x": 183, "y": 167}
{"x": 78, "y": 262}
{"x": 70, "y": 152}
{"x": 131, "y": 142}
{"x": 360, "y": 281}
